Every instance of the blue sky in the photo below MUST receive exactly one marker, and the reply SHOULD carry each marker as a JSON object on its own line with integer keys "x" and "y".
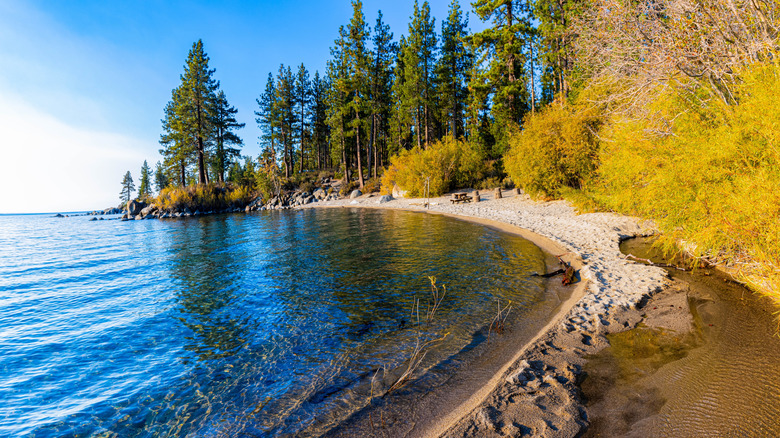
{"x": 83, "y": 84}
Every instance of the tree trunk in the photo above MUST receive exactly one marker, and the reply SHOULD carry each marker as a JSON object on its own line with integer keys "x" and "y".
{"x": 533, "y": 83}
{"x": 419, "y": 136}
{"x": 359, "y": 160}
{"x": 286, "y": 154}
{"x": 373, "y": 144}
{"x": 302, "y": 129}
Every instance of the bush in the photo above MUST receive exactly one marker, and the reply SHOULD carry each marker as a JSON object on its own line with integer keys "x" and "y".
{"x": 557, "y": 149}
{"x": 346, "y": 189}
{"x": 714, "y": 183}
{"x": 372, "y": 185}
{"x": 446, "y": 164}
{"x": 204, "y": 197}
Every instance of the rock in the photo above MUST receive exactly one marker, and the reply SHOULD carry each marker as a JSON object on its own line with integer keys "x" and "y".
{"x": 139, "y": 218}
{"x": 354, "y": 202}
{"x": 94, "y": 219}
{"x": 135, "y": 207}
{"x": 355, "y": 193}
{"x": 385, "y": 198}
{"x": 397, "y": 192}
{"x": 320, "y": 194}
{"x": 146, "y": 211}
{"x": 58, "y": 215}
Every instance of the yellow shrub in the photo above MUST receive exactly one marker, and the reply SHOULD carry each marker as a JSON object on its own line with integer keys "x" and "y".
{"x": 204, "y": 197}
{"x": 557, "y": 148}
{"x": 445, "y": 164}
{"x": 715, "y": 183}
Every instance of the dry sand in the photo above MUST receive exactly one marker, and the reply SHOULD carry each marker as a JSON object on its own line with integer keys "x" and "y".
{"x": 536, "y": 393}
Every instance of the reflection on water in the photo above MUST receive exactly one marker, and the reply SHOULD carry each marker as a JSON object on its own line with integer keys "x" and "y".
{"x": 255, "y": 325}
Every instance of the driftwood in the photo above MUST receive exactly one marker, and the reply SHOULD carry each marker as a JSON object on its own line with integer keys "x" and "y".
{"x": 650, "y": 263}
{"x": 568, "y": 271}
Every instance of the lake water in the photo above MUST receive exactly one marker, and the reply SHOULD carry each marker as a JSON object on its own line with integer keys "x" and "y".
{"x": 257, "y": 325}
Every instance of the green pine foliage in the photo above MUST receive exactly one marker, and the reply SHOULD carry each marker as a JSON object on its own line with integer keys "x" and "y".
{"x": 145, "y": 189}
{"x": 224, "y": 124}
{"x": 160, "y": 177}
{"x": 127, "y": 188}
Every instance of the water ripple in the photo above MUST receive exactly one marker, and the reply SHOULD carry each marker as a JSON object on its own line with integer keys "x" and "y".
{"x": 258, "y": 325}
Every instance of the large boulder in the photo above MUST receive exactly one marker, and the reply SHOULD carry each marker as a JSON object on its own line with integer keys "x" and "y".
{"x": 398, "y": 192}
{"x": 135, "y": 207}
{"x": 355, "y": 193}
{"x": 385, "y": 198}
{"x": 320, "y": 194}
{"x": 148, "y": 210}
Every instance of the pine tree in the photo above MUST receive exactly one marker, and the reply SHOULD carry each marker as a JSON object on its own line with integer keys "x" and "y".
{"x": 452, "y": 71}
{"x": 338, "y": 93}
{"x": 287, "y": 119}
{"x": 401, "y": 107}
{"x": 302, "y": 99}
{"x": 505, "y": 49}
{"x": 127, "y": 188}
{"x": 175, "y": 139}
{"x": 357, "y": 66}
{"x": 197, "y": 104}
{"x": 160, "y": 178}
{"x": 556, "y": 44}
{"x": 145, "y": 189}
{"x": 419, "y": 60}
{"x": 318, "y": 117}
{"x": 224, "y": 123}
{"x": 267, "y": 119}
{"x": 381, "y": 88}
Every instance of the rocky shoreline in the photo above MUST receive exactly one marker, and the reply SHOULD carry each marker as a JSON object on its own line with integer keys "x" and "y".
{"x": 327, "y": 192}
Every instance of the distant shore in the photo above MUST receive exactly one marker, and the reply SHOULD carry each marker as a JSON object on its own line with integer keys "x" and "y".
{"x": 547, "y": 366}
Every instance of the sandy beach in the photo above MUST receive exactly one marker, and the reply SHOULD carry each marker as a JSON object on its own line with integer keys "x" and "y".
{"x": 536, "y": 392}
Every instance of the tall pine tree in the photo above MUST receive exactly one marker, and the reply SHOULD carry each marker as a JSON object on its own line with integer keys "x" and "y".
{"x": 224, "y": 123}
{"x": 175, "y": 139}
{"x": 337, "y": 101}
{"x": 267, "y": 119}
{"x": 357, "y": 60}
{"x": 419, "y": 60}
{"x": 145, "y": 189}
{"x": 319, "y": 120}
{"x": 302, "y": 99}
{"x": 197, "y": 103}
{"x": 160, "y": 178}
{"x": 504, "y": 48}
{"x": 381, "y": 89}
{"x": 127, "y": 188}
{"x": 452, "y": 71}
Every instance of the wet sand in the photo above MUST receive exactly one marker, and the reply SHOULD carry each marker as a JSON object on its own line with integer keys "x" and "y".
{"x": 631, "y": 353}
{"x": 717, "y": 373}
{"x": 534, "y": 392}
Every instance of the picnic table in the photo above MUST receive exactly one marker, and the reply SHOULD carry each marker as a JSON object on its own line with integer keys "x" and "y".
{"x": 460, "y": 197}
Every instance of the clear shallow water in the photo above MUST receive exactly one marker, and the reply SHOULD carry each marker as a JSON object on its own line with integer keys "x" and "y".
{"x": 260, "y": 325}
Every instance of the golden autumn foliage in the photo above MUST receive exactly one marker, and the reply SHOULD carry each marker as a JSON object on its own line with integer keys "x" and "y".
{"x": 204, "y": 197}
{"x": 556, "y": 149}
{"x": 714, "y": 183}
{"x": 444, "y": 165}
